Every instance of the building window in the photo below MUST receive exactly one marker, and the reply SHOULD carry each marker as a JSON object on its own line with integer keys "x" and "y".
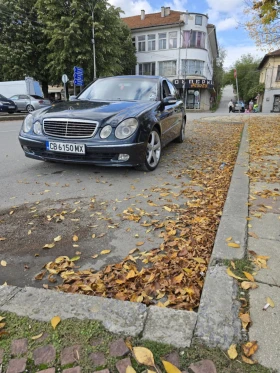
{"x": 278, "y": 74}
{"x": 173, "y": 39}
{"x": 147, "y": 68}
{"x": 141, "y": 43}
{"x": 162, "y": 41}
{"x": 193, "y": 39}
{"x": 198, "y": 20}
{"x": 192, "y": 67}
{"x": 167, "y": 68}
{"x": 133, "y": 41}
{"x": 152, "y": 42}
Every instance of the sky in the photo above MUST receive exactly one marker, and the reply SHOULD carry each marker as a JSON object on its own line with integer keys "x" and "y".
{"x": 226, "y": 15}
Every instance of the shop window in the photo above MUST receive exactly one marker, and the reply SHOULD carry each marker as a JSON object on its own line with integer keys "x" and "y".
{"x": 152, "y": 42}
{"x": 198, "y": 20}
{"x": 193, "y": 67}
{"x": 147, "y": 68}
{"x": 162, "y": 41}
{"x": 141, "y": 43}
{"x": 167, "y": 68}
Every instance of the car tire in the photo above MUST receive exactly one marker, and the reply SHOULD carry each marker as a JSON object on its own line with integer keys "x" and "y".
{"x": 29, "y": 108}
{"x": 11, "y": 112}
{"x": 182, "y": 135}
{"x": 153, "y": 152}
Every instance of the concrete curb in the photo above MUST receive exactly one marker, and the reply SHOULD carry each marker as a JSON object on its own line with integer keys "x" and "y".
{"x": 9, "y": 118}
{"x": 218, "y": 323}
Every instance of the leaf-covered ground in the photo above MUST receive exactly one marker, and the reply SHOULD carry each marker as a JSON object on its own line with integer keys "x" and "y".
{"x": 172, "y": 274}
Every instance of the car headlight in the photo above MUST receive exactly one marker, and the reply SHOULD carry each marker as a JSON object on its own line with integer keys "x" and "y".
{"x": 106, "y": 132}
{"x": 126, "y": 128}
{"x": 1, "y": 104}
{"x": 38, "y": 128}
{"x": 27, "y": 123}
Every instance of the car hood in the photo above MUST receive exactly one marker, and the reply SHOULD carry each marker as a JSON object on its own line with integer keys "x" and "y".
{"x": 7, "y": 101}
{"x": 111, "y": 112}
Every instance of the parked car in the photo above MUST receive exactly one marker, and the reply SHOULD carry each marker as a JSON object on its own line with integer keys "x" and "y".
{"x": 29, "y": 102}
{"x": 121, "y": 121}
{"x": 7, "y": 105}
{"x": 239, "y": 106}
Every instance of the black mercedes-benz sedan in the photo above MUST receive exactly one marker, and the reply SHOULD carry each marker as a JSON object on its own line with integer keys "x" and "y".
{"x": 119, "y": 121}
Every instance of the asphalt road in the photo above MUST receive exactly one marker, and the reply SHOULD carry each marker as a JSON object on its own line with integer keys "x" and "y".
{"x": 90, "y": 199}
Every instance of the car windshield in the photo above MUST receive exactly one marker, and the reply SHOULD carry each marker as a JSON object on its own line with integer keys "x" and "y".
{"x": 37, "y": 97}
{"x": 127, "y": 89}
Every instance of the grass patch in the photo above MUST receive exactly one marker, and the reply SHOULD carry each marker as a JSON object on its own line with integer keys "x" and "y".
{"x": 76, "y": 332}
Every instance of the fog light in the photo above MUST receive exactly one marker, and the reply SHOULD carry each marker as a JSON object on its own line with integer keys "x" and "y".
{"x": 123, "y": 157}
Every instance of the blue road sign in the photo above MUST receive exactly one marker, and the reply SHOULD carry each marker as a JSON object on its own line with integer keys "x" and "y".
{"x": 78, "y": 76}
{"x": 79, "y": 81}
{"x": 78, "y": 70}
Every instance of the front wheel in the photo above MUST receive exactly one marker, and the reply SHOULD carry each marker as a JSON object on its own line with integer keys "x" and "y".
{"x": 153, "y": 152}
{"x": 29, "y": 108}
{"x": 182, "y": 135}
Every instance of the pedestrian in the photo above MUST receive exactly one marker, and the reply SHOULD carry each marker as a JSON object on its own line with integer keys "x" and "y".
{"x": 251, "y": 104}
{"x": 230, "y": 106}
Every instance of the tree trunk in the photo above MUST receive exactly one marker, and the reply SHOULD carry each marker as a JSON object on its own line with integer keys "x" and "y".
{"x": 45, "y": 88}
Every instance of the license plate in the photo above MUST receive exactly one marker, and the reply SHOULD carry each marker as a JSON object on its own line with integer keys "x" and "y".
{"x": 11, "y": 107}
{"x": 65, "y": 147}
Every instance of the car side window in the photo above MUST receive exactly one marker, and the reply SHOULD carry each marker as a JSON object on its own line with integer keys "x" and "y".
{"x": 165, "y": 89}
{"x": 14, "y": 97}
{"x": 23, "y": 97}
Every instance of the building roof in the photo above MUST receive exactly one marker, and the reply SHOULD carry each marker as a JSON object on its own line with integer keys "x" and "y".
{"x": 267, "y": 56}
{"x": 153, "y": 19}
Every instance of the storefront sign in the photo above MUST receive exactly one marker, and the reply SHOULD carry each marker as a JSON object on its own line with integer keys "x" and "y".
{"x": 193, "y": 83}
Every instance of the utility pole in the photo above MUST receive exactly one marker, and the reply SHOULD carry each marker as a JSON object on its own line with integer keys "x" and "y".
{"x": 92, "y": 6}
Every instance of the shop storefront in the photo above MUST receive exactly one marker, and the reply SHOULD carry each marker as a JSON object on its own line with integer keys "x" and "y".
{"x": 196, "y": 93}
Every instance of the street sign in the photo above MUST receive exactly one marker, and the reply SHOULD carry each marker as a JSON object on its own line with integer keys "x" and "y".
{"x": 64, "y": 78}
{"x": 78, "y": 76}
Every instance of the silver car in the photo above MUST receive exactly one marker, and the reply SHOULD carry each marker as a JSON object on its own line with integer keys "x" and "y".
{"x": 29, "y": 102}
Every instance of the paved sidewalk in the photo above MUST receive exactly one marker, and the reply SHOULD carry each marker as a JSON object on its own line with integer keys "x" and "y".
{"x": 264, "y": 239}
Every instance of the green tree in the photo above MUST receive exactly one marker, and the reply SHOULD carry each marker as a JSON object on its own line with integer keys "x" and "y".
{"x": 218, "y": 69}
{"x": 68, "y": 27}
{"x": 263, "y": 22}
{"x": 22, "y": 51}
{"x": 247, "y": 75}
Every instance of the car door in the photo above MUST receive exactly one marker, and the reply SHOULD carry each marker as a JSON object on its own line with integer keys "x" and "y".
{"x": 24, "y": 100}
{"x": 166, "y": 117}
{"x": 15, "y": 99}
{"x": 177, "y": 113}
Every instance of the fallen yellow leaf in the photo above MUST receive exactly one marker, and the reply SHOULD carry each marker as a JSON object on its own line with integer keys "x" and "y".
{"x": 55, "y": 321}
{"x": 75, "y": 238}
{"x": 270, "y": 302}
{"x": 49, "y": 246}
{"x": 3, "y": 263}
{"x": 233, "y": 244}
{"x": 232, "y": 353}
{"x": 247, "y": 360}
{"x": 58, "y": 238}
{"x": 229, "y": 239}
{"x": 105, "y": 252}
{"x": 167, "y": 208}
{"x": 144, "y": 356}
{"x": 231, "y": 274}
{"x": 129, "y": 369}
{"x": 37, "y": 336}
{"x": 170, "y": 368}
{"x": 249, "y": 276}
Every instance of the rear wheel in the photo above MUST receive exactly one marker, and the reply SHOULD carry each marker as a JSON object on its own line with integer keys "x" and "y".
{"x": 182, "y": 135}
{"x": 29, "y": 108}
{"x": 153, "y": 152}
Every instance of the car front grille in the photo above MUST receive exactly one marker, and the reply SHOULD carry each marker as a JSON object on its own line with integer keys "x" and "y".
{"x": 70, "y": 128}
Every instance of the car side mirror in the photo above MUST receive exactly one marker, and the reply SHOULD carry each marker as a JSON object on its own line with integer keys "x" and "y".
{"x": 169, "y": 100}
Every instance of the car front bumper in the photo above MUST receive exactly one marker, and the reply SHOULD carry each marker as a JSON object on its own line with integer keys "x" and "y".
{"x": 105, "y": 155}
{"x": 7, "y": 108}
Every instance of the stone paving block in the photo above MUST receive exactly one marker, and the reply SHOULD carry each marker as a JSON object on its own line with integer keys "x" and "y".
{"x": 265, "y": 326}
{"x": 73, "y": 370}
{"x": 98, "y": 358}
{"x": 40, "y": 304}
{"x": 173, "y": 358}
{"x": 1, "y": 355}
{"x": 118, "y": 348}
{"x": 70, "y": 355}
{"x": 170, "y": 326}
{"x": 218, "y": 324}
{"x": 44, "y": 355}
{"x": 50, "y": 370}
{"x": 271, "y": 274}
{"x": 267, "y": 227}
{"x": 123, "y": 364}
{"x": 19, "y": 346}
{"x": 16, "y": 366}
{"x": 203, "y": 366}
{"x": 7, "y": 292}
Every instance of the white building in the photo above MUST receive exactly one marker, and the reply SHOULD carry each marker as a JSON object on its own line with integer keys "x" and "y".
{"x": 180, "y": 46}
